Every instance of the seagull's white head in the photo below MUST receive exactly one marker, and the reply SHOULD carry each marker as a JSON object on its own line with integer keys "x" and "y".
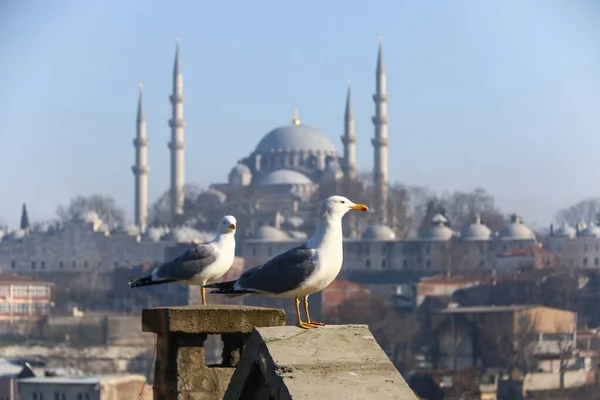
{"x": 338, "y": 206}
{"x": 227, "y": 224}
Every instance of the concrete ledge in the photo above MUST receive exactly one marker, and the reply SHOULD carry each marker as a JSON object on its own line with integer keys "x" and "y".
{"x": 335, "y": 362}
{"x": 210, "y": 319}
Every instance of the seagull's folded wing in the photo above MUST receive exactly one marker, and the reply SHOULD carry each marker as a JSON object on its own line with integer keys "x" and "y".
{"x": 281, "y": 274}
{"x": 188, "y": 264}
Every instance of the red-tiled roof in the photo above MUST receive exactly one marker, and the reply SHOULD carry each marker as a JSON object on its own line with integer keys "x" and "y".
{"x": 526, "y": 251}
{"x": 11, "y": 278}
{"x": 343, "y": 284}
{"x": 455, "y": 279}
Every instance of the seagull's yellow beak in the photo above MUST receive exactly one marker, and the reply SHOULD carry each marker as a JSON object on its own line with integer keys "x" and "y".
{"x": 232, "y": 226}
{"x": 359, "y": 207}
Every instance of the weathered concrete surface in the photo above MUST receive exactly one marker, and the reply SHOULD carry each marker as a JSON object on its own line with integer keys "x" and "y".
{"x": 180, "y": 370}
{"x": 213, "y": 318}
{"x": 335, "y": 362}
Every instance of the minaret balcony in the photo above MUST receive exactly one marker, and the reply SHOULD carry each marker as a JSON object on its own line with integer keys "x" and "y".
{"x": 348, "y": 139}
{"x": 380, "y": 119}
{"x": 141, "y": 142}
{"x": 176, "y": 123}
{"x": 177, "y": 145}
{"x": 140, "y": 170}
{"x": 176, "y": 98}
{"x": 380, "y": 97}
{"x": 380, "y": 142}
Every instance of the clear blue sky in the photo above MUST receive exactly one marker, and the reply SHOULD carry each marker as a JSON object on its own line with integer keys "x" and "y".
{"x": 501, "y": 94}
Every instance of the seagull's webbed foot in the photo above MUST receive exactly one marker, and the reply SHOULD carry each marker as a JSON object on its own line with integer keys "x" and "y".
{"x": 314, "y": 323}
{"x": 301, "y": 324}
{"x": 306, "y": 325}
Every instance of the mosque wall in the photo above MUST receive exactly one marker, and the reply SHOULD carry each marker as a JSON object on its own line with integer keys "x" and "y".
{"x": 77, "y": 248}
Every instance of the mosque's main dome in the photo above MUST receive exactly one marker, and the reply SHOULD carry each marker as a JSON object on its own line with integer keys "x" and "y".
{"x": 295, "y": 137}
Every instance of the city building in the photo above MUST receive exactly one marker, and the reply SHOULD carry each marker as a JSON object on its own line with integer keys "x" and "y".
{"x": 23, "y": 298}
{"x": 101, "y": 387}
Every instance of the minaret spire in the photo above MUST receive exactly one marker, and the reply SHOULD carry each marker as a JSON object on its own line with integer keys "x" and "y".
{"x": 24, "y": 218}
{"x": 380, "y": 140}
{"x": 349, "y": 138}
{"x": 140, "y": 169}
{"x": 296, "y": 121}
{"x": 177, "y": 143}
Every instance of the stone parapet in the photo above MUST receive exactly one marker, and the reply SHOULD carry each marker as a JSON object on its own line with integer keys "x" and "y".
{"x": 331, "y": 362}
{"x": 180, "y": 369}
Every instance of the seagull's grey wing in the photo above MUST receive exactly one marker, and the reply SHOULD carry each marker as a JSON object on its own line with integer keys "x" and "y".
{"x": 188, "y": 264}
{"x": 280, "y": 274}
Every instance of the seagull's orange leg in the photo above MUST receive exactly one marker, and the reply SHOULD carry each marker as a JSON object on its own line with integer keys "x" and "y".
{"x": 203, "y": 293}
{"x": 308, "y": 315}
{"x": 300, "y": 323}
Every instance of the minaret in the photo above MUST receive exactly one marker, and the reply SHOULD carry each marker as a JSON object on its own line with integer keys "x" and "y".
{"x": 380, "y": 141}
{"x": 177, "y": 143}
{"x": 349, "y": 139}
{"x": 141, "y": 168}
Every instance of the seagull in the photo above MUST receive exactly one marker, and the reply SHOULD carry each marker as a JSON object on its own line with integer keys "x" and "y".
{"x": 200, "y": 265}
{"x": 303, "y": 270}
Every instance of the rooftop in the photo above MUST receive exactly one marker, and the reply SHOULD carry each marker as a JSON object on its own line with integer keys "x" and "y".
{"x": 81, "y": 380}
{"x": 11, "y": 278}
{"x": 526, "y": 251}
{"x": 485, "y": 309}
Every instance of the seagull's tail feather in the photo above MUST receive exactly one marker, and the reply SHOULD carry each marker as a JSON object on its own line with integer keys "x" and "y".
{"x": 227, "y": 289}
{"x": 147, "y": 281}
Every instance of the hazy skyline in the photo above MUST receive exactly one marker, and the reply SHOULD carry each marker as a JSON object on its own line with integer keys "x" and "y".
{"x": 503, "y": 95}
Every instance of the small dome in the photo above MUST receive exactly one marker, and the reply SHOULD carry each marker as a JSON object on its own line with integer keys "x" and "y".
{"x": 515, "y": 230}
{"x": 378, "y": 232}
{"x": 477, "y": 231}
{"x": 267, "y": 232}
{"x": 154, "y": 234}
{"x": 214, "y": 195}
{"x": 295, "y": 137}
{"x": 87, "y": 217}
{"x": 333, "y": 171}
{"x": 241, "y": 169}
{"x": 240, "y": 175}
{"x": 186, "y": 235}
{"x": 294, "y": 222}
{"x": 285, "y": 177}
{"x": 17, "y": 234}
{"x": 297, "y": 235}
{"x": 565, "y": 231}
{"x": 41, "y": 227}
{"x": 591, "y": 231}
{"x": 129, "y": 229}
{"x": 438, "y": 231}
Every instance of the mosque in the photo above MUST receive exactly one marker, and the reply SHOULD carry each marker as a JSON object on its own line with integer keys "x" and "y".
{"x": 280, "y": 175}
{"x": 285, "y": 168}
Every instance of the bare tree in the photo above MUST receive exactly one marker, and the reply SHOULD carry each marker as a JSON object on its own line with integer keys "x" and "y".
{"x": 105, "y": 206}
{"x": 565, "y": 347}
{"x": 160, "y": 210}
{"x": 396, "y": 332}
{"x": 585, "y": 211}
{"x": 399, "y": 209}
{"x": 514, "y": 345}
{"x": 459, "y": 207}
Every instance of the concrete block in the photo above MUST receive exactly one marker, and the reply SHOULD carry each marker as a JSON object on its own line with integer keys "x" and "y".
{"x": 180, "y": 369}
{"x": 335, "y": 362}
{"x": 210, "y": 319}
